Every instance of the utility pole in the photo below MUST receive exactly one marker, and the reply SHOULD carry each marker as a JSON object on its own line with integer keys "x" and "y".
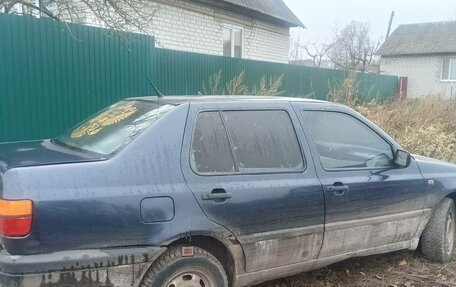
{"x": 389, "y": 25}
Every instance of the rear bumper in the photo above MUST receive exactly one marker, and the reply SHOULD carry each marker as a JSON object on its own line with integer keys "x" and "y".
{"x": 123, "y": 267}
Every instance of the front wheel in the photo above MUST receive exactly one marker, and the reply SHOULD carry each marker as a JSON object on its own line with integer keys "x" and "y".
{"x": 438, "y": 238}
{"x": 172, "y": 269}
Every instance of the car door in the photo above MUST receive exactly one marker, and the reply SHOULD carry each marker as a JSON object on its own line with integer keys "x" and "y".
{"x": 370, "y": 202}
{"x": 249, "y": 169}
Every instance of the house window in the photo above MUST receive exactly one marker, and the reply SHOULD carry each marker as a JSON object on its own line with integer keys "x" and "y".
{"x": 449, "y": 70}
{"x": 232, "y": 42}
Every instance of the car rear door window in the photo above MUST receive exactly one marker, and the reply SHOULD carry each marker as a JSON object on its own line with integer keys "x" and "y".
{"x": 344, "y": 142}
{"x": 264, "y": 141}
{"x": 211, "y": 153}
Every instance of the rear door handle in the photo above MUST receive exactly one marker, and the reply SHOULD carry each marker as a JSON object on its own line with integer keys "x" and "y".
{"x": 338, "y": 188}
{"x": 217, "y": 194}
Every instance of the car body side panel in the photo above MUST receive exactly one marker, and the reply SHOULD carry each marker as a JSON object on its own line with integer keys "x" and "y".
{"x": 440, "y": 177}
{"x": 95, "y": 205}
{"x": 118, "y": 267}
{"x": 381, "y": 207}
{"x": 41, "y": 152}
{"x": 277, "y": 218}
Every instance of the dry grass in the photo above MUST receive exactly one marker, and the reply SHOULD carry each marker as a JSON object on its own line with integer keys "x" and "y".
{"x": 400, "y": 269}
{"x": 346, "y": 91}
{"x": 426, "y": 126}
{"x": 236, "y": 86}
{"x": 268, "y": 86}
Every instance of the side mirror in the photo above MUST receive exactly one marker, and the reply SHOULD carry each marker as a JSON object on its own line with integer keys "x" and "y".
{"x": 402, "y": 158}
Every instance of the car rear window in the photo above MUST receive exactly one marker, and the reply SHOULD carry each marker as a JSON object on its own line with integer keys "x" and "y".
{"x": 264, "y": 141}
{"x": 114, "y": 127}
{"x": 245, "y": 142}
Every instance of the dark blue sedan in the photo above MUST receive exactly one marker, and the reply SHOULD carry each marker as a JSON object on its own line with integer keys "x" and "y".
{"x": 214, "y": 192}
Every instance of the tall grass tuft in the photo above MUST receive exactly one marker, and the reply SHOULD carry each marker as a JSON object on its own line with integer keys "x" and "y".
{"x": 425, "y": 126}
{"x": 268, "y": 86}
{"x": 346, "y": 91}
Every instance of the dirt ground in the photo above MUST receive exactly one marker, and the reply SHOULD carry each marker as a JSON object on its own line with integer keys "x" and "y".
{"x": 400, "y": 269}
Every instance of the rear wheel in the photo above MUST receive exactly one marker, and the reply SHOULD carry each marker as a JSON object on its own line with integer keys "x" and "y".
{"x": 172, "y": 269}
{"x": 438, "y": 238}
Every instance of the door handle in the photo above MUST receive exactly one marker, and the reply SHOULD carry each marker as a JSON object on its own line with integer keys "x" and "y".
{"x": 338, "y": 188}
{"x": 217, "y": 194}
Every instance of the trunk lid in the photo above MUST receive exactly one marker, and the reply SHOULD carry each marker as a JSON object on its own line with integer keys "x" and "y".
{"x": 45, "y": 152}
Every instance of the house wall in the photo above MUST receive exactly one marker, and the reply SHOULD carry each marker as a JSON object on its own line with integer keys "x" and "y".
{"x": 424, "y": 74}
{"x": 191, "y": 27}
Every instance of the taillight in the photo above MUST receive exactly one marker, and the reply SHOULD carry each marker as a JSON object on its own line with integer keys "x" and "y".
{"x": 16, "y": 217}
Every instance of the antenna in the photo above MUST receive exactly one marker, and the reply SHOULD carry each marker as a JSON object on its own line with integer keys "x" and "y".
{"x": 159, "y": 94}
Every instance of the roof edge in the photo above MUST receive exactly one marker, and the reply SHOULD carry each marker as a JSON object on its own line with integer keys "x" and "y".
{"x": 426, "y": 38}
{"x": 230, "y": 6}
{"x": 416, "y": 54}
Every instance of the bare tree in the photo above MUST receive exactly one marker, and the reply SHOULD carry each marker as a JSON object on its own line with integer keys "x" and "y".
{"x": 317, "y": 52}
{"x": 314, "y": 51}
{"x": 353, "y": 48}
{"x": 115, "y": 14}
{"x": 296, "y": 51}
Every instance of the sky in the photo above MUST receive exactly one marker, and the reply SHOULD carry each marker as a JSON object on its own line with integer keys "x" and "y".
{"x": 321, "y": 17}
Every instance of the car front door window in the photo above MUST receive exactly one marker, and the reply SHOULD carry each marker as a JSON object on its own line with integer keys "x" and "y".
{"x": 343, "y": 142}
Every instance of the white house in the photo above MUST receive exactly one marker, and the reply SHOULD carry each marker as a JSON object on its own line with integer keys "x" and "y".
{"x": 426, "y": 55}
{"x": 258, "y": 30}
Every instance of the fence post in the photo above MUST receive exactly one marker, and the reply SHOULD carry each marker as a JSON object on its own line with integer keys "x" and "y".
{"x": 402, "y": 88}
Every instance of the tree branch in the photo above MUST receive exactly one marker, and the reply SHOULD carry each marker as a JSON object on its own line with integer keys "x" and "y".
{"x": 30, "y": 5}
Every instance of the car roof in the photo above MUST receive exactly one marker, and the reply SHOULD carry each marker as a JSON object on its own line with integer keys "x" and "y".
{"x": 179, "y": 100}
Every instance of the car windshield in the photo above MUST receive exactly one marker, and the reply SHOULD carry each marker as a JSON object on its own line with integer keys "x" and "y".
{"x": 114, "y": 127}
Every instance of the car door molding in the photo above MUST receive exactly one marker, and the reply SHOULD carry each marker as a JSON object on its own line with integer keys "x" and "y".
{"x": 375, "y": 220}
{"x": 280, "y": 234}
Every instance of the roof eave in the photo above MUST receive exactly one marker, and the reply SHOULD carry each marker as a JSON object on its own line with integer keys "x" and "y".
{"x": 248, "y": 12}
{"x": 415, "y": 54}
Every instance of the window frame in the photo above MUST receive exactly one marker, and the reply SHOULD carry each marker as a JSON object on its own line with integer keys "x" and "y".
{"x": 392, "y": 146}
{"x": 232, "y": 28}
{"x": 451, "y": 61}
{"x": 229, "y": 145}
{"x": 233, "y": 154}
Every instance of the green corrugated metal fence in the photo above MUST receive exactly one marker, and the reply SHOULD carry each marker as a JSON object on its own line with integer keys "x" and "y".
{"x": 53, "y": 75}
{"x": 181, "y": 73}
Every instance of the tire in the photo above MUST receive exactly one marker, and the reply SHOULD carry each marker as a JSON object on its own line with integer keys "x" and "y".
{"x": 437, "y": 240}
{"x": 174, "y": 270}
